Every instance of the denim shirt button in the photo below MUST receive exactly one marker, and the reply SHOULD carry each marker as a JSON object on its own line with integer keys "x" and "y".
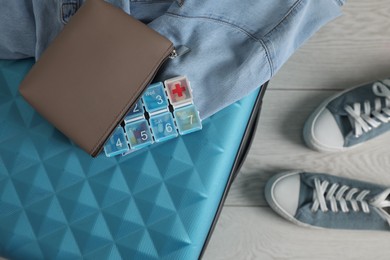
{"x": 68, "y": 9}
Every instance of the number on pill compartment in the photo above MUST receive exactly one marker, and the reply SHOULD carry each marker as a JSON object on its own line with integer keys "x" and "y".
{"x": 160, "y": 100}
{"x": 144, "y": 136}
{"x": 168, "y": 127}
{"x": 136, "y": 109}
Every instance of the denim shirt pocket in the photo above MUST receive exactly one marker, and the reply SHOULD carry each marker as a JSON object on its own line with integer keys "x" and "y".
{"x": 68, "y": 8}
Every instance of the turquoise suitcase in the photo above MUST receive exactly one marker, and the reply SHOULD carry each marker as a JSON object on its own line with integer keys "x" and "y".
{"x": 162, "y": 202}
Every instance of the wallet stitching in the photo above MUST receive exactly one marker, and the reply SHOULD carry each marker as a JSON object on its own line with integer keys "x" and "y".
{"x": 96, "y": 146}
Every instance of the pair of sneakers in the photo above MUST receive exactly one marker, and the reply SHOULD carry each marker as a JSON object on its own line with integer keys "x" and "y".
{"x": 342, "y": 122}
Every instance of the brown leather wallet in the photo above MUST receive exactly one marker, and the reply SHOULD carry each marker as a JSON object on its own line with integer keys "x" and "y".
{"x": 93, "y": 72}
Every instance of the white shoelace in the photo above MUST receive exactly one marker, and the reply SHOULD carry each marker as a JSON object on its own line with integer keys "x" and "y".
{"x": 324, "y": 191}
{"x": 341, "y": 197}
{"x": 370, "y": 118}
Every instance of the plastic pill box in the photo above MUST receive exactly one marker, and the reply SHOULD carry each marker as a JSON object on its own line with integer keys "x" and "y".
{"x": 165, "y": 111}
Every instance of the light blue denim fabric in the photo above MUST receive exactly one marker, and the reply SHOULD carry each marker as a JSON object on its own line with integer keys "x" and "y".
{"x": 236, "y": 46}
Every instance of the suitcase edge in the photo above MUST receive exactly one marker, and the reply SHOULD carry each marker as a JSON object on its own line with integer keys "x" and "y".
{"x": 242, "y": 153}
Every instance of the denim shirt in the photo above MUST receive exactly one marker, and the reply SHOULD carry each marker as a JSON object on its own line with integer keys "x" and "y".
{"x": 235, "y": 46}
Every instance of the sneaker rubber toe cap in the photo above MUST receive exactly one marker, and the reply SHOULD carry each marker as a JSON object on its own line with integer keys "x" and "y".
{"x": 283, "y": 193}
{"x": 324, "y": 132}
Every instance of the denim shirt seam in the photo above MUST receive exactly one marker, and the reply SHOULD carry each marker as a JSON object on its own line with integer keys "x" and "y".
{"x": 291, "y": 10}
{"x": 288, "y": 13}
{"x": 340, "y": 2}
{"x": 276, "y": 28}
{"x": 250, "y": 35}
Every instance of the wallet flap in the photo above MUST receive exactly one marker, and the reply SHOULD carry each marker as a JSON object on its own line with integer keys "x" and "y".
{"x": 93, "y": 72}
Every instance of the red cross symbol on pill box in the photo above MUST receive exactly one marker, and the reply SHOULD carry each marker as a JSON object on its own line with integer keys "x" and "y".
{"x": 178, "y": 90}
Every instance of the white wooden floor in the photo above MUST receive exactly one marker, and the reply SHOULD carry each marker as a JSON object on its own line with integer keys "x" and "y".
{"x": 352, "y": 49}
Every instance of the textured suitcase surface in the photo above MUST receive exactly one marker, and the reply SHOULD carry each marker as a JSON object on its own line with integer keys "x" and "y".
{"x": 56, "y": 202}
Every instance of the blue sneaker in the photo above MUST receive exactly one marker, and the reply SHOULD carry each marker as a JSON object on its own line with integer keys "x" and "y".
{"x": 326, "y": 201}
{"x": 350, "y": 118}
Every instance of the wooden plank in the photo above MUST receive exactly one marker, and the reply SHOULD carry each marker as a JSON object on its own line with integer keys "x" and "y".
{"x": 258, "y": 233}
{"x": 278, "y": 146}
{"x": 352, "y": 49}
